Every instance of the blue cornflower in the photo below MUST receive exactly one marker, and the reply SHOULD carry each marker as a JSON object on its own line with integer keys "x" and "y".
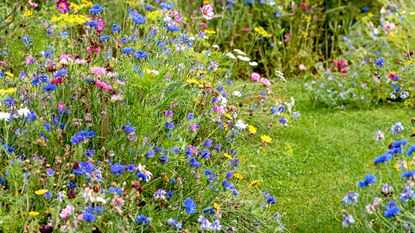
{"x": 96, "y": 9}
{"x": 117, "y": 169}
{"x": 115, "y": 28}
{"x": 27, "y": 41}
{"x": 205, "y": 153}
{"x": 142, "y": 219}
{"x": 189, "y": 206}
{"x": 408, "y": 174}
{"x": 75, "y": 139}
{"x": 364, "y": 9}
{"x": 227, "y": 185}
{"x": 380, "y": 62}
{"x": 172, "y": 27}
{"x": 209, "y": 211}
{"x": 9, "y": 148}
{"x": 369, "y": 179}
{"x": 91, "y": 23}
{"x": 50, "y": 172}
{"x": 406, "y": 194}
{"x": 208, "y": 143}
{"x": 140, "y": 55}
{"x": 137, "y": 18}
{"x": 104, "y": 38}
{"x": 148, "y": 8}
{"x": 399, "y": 143}
{"x": 127, "y": 50}
{"x": 149, "y": 154}
{"x": 383, "y": 158}
{"x": 174, "y": 223}
{"x": 47, "y": 127}
{"x": 411, "y": 150}
{"x": 166, "y": 6}
{"x": 89, "y": 153}
{"x": 350, "y": 198}
{"x": 396, "y": 128}
{"x": 49, "y": 87}
{"x": 194, "y": 163}
{"x": 391, "y": 209}
{"x": 271, "y": 200}
{"x": 89, "y": 217}
{"x": 169, "y": 125}
{"x": 164, "y": 159}
{"x": 129, "y": 129}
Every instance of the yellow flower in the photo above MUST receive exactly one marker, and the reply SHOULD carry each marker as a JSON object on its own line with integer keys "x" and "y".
{"x": 228, "y": 156}
{"x": 227, "y": 115}
{"x": 254, "y": 183}
{"x": 33, "y": 213}
{"x": 261, "y": 31}
{"x": 266, "y": 138}
{"x": 41, "y": 192}
{"x": 27, "y": 13}
{"x": 69, "y": 20}
{"x": 251, "y": 129}
{"x": 9, "y": 74}
{"x": 153, "y": 15}
{"x": 238, "y": 176}
{"x": 209, "y": 31}
{"x": 217, "y": 207}
{"x": 7, "y": 91}
{"x": 205, "y": 2}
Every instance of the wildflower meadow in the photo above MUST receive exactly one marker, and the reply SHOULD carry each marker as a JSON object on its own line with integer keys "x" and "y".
{"x": 207, "y": 116}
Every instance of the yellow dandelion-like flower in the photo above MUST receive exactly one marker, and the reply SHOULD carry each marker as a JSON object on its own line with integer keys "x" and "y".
{"x": 261, "y": 31}
{"x": 254, "y": 183}
{"x": 41, "y": 192}
{"x": 227, "y": 115}
{"x": 7, "y": 91}
{"x": 217, "y": 207}
{"x": 9, "y": 74}
{"x": 266, "y": 138}
{"x": 153, "y": 15}
{"x": 205, "y": 2}
{"x": 238, "y": 176}
{"x": 33, "y": 213}
{"x": 27, "y": 13}
{"x": 210, "y": 32}
{"x": 228, "y": 156}
{"x": 251, "y": 129}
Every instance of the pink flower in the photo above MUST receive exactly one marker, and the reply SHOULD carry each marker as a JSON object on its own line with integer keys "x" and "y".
{"x": 118, "y": 201}
{"x": 30, "y": 60}
{"x": 61, "y": 106}
{"x": 207, "y": 12}
{"x": 33, "y": 4}
{"x": 203, "y": 24}
{"x": 246, "y": 30}
{"x": 176, "y": 16}
{"x": 103, "y": 85}
{"x": 80, "y": 217}
{"x": 255, "y": 77}
{"x": 287, "y": 37}
{"x": 389, "y": 26}
{"x": 193, "y": 149}
{"x": 67, "y": 212}
{"x": 193, "y": 127}
{"x": 63, "y": 6}
{"x": 218, "y": 109}
{"x": 302, "y": 67}
{"x": 304, "y": 5}
{"x": 98, "y": 71}
{"x": 266, "y": 82}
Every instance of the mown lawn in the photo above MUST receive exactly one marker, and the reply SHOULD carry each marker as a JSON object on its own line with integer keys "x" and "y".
{"x": 311, "y": 165}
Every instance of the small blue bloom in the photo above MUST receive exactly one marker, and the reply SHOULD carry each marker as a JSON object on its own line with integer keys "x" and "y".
{"x": 189, "y": 206}
{"x": 391, "y": 209}
{"x": 96, "y": 9}
{"x": 380, "y": 62}
{"x": 142, "y": 219}
{"x": 369, "y": 179}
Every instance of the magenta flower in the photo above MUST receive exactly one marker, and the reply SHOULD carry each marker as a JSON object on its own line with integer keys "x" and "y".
{"x": 266, "y": 82}
{"x": 63, "y": 6}
{"x": 207, "y": 11}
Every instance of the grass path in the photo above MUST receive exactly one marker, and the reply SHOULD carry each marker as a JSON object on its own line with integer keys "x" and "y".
{"x": 319, "y": 159}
